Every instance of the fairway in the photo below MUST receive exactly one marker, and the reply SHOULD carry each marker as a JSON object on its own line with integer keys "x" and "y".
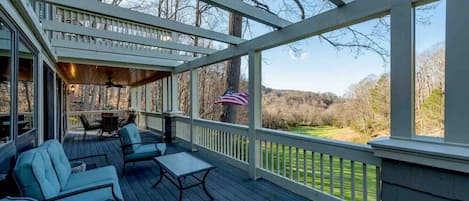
{"x": 330, "y": 132}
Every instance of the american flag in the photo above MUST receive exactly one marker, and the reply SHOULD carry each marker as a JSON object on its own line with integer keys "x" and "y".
{"x": 230, "y": 97}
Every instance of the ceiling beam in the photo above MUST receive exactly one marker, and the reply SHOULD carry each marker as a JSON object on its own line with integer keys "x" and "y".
{"x": 119, "y": 50}
{"x": 65, "y": 54}
{"x": 250, "y": 12}
{"x": 338, "y": 3}
{"x": 142, "y": 18}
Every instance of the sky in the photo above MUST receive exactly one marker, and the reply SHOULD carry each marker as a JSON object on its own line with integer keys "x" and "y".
{"x": 321, "y": 68}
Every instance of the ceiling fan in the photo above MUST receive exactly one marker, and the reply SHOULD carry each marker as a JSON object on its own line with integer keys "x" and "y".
{"x": 110, "y": 84}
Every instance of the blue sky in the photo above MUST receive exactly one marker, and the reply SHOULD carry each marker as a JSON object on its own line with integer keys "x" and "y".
{"x": 321, "y": 68}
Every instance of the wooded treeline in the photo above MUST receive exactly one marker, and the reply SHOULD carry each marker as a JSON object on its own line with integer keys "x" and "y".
{"x": 98, "y": 97}
{"x": 365, "y": 107}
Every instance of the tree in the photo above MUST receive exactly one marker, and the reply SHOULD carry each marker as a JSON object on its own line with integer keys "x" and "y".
{"x": 233, "y": 69}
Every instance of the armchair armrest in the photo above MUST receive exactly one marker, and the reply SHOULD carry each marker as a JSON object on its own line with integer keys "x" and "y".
{"x": 92, "y": 156}
{"x": 84, "y": 190}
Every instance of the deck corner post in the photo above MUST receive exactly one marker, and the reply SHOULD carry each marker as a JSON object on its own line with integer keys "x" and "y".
{"x": 255, "y": 109}
{"x": 402, "y": 70}
{"x": 194, "y": 106}
{"x": 456, "y": 72}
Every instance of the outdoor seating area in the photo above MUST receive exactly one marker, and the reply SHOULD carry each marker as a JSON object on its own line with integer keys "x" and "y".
{"x": 225, "y": 182}
{"x": 178, "y": 100}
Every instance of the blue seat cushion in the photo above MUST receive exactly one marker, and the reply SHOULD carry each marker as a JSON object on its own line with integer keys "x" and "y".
{"x": 147, "y": 151}
{"x": 130, "y": 135}
{"x": 35, "y": 175}
{"x": 59, "y": 160}
{"x": 94, "y": 177}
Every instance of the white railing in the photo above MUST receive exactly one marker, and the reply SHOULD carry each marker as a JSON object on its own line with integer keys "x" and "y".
{"x": 229, "y": 140}
{"x": 183, "y": 128}
{"x": 151, "y": 120}
{"x": 340, "y": 170}
{"x": 91, "y": 116}
{"x": 317, "y": 168}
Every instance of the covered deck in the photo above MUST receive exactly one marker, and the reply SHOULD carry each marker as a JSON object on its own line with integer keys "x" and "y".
{"x": 226, "y": 182}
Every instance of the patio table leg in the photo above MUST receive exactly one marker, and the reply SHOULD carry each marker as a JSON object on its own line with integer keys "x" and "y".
{"x": 180, "y": 187}
{"x": 161, "y": 177}
{"x": 203, "y": 185}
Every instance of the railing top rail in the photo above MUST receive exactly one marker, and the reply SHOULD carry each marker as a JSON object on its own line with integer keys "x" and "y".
{"x": 345, "y": 150}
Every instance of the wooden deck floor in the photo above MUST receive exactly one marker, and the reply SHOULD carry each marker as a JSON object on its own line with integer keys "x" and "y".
{"x": 224, "y": 183}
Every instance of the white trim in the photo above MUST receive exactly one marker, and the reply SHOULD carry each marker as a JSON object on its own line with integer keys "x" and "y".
{"x": 434, "y": 153}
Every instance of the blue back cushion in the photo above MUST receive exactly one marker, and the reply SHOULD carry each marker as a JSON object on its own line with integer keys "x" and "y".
{"x": 130, "y": 135}
{"x": 35, "y": 175}
{"x": 59, "y": 160}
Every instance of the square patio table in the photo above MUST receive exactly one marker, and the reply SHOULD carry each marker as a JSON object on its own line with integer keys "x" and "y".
{"x": 175, "y": 167}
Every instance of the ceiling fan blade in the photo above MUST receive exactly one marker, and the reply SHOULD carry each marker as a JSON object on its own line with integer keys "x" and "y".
{"x": 118, "y": 85}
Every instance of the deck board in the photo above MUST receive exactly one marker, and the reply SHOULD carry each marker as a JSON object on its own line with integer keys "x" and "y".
{"x": 225, "y": 182}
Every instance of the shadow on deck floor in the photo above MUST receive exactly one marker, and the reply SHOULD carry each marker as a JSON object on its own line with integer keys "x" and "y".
{"x": 226, "y": 182}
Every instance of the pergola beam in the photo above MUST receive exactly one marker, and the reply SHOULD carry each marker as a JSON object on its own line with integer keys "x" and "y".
{"x": 355, "y": 12}
{"x": 338, "y": 3}
{"x": 127, "y": 14}
{"x": 250, "y": 12}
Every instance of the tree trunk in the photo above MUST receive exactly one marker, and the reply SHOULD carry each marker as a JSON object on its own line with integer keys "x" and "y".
{"x": 233, "y": 69}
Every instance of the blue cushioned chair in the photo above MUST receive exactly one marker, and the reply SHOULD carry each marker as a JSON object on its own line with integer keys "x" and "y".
{"x": 44, "y": 173}
{"x": 134, "y": 150}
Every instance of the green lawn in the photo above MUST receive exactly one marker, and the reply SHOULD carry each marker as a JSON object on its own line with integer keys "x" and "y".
{"x": 287, "y": 157}
{"x": 330, "y": 132}
{"x": 298, "y": 173}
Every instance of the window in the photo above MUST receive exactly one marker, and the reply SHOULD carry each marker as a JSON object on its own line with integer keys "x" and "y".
{"x": 26, "y": 88}
{"x": 5, "y": 82}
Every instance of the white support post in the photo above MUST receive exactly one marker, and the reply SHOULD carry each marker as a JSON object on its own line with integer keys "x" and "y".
{"x": 255, "y": 109}
{"x": 457, "y": 72}
{"x": 133, "y": 97}
{"x": 40, "y": 98}
{"x": 174, "y": 93}
{"x": 148, "y": 98}
{"x": 148, "y": 101}
{"x": 194, "y": 106}
{"x": 165, "y": 95}
{"x": 139, "y": 98}
{"x": 402, "y": 70}
{"x": 56, "y": 122}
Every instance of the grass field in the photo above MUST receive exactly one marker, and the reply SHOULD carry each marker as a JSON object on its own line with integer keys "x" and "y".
{"x": 330, "y": 132}
{"x": 284, "y": 161}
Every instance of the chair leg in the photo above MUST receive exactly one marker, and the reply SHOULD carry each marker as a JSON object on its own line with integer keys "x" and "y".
{"x": 123, "y": 171}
